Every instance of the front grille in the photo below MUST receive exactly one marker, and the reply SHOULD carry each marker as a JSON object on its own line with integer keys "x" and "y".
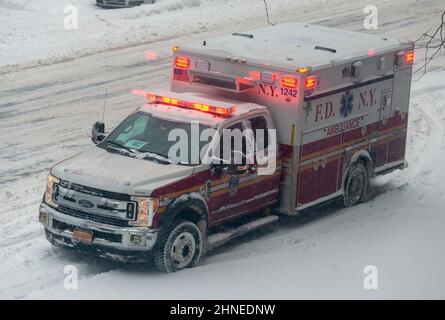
{"x": 95, "y": 205}
{"x": 95, "y": 192}
{"x": 62, "y": 226}
{"x": 92, "y": 217}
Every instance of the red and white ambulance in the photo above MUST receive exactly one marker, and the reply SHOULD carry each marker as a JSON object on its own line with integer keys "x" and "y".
{"x": 337, "y": 101}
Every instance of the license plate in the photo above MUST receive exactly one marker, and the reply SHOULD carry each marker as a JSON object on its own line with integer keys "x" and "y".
{"x": 83, "y": 235}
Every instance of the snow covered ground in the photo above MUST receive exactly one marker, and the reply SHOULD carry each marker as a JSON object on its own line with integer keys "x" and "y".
{"x": 46, "y": 114}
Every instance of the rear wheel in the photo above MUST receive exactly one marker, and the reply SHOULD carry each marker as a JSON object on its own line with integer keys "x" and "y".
{"x": 356, "y": 184}
{"x": 179, "y": 247}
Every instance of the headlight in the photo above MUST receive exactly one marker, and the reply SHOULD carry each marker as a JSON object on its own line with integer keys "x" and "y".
{"x": 146, "y": 210}
{"x": 49, "y": 192}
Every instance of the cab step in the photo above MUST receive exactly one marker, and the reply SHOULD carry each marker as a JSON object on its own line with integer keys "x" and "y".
{"x": 220, "y": 238}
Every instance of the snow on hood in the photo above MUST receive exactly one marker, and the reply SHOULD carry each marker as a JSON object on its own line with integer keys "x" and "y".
{"x": 100, "y": 169}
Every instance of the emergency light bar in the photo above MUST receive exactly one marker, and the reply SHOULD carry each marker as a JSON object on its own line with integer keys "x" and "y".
{"x": 204, "y": 105}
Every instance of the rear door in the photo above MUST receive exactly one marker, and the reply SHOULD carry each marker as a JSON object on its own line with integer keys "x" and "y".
{"x": 384, "y": 125}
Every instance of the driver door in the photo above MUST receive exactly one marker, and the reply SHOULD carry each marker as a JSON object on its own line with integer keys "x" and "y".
{"x": 225, "y": 189}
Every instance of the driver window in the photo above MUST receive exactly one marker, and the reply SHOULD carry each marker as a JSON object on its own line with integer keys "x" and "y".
{"x": 260, "y": 133}
{"x": 232, "y": 144}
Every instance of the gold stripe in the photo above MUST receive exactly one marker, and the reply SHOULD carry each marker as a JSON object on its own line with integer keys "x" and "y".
{"x": 343, "y": 145}
{"x": 215, "y": 183}
{"x": 245, "y": 184}
{"x": 311, "y": 165}
{"x": 335, "y": 157}
{"x": 178, "y": 193}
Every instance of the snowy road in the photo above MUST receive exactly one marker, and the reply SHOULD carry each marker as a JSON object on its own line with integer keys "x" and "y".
{"x": 46, "y": 114}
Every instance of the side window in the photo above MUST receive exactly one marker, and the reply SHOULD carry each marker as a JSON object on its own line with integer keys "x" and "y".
{"x": 260, "y": 133}
{"x": 232, "y": 142}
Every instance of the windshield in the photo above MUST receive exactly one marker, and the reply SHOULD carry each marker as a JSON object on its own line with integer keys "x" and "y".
{"x": 144, "y": 136}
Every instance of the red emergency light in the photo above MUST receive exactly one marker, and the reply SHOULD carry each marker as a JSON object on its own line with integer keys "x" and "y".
{"x": 182, "y": 62}
{"x": 204, "y": 106}
{"x": 289, "y": 82}
{"x": 409, "y": 56}
{"x": 310, "y": 83}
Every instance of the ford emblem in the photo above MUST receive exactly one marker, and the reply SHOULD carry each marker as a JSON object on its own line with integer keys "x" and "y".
{"x": 86, "y": 203}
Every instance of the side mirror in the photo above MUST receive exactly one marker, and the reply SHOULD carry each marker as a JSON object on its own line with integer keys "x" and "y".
{"x": 238, "y": 163}
{"x": 218, "y": 169}
{"x": 218, "y": 166}
{"x": 98, "y": 132}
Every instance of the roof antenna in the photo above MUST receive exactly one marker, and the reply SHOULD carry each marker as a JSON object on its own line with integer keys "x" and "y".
{"x": 105, "y": 102}
{"x": 325, "y": 49}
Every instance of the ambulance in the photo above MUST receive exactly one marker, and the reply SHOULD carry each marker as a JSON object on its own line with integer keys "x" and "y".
{"x": 333, "y": 103}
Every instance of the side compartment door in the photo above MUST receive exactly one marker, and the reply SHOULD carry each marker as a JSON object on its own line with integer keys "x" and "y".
{"x": 384, "y": 125}
{"x": 329, "y": 170}
{"x": 309, "y": 170}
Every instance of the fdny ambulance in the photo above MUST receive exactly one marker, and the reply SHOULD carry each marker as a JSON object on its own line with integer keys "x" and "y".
{"x": 334, "y": 104}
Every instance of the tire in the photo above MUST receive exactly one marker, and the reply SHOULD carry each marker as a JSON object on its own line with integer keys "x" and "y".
{"x": 179, "y": 247}
{"x": 356, "y": 185}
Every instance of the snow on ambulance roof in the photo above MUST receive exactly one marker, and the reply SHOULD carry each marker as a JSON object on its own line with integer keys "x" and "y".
{"x": 293, "y": 45}
{"x": 184, "y": 114}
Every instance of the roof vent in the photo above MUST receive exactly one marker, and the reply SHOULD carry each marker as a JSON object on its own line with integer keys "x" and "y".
{"x": 325, "y": 49}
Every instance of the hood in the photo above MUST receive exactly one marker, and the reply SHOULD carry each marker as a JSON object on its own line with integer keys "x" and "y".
{"x": 97, "y": 168}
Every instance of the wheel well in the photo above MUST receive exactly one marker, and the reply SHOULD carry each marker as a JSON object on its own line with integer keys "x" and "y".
{"x": 367, "y": 162}
{"x": 359, "y": 156}
{"x": 192, "y": 210}
{"x": 190, "y": 214}
{"x": 362, "y": 155}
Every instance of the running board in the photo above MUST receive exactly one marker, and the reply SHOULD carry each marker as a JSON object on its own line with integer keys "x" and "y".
{"x": 218, "y": 239}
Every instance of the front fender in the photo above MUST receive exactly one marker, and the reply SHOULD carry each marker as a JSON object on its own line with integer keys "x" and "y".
{"x": 194, "y": 202}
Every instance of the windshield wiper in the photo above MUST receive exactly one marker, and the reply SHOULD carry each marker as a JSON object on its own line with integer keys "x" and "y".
{"x": 117, "y": 147}
{"x": 146, "y": 155}
{"x": 160, "y": 157}
{"x": 149, "y": 155}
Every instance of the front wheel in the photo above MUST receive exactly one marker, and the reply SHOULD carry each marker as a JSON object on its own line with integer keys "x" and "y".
{"x": 179, "y": 247}
{"x": 356, "y": 184}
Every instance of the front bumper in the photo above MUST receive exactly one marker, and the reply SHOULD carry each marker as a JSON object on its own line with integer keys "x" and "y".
{"x": 60, "y": 228}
